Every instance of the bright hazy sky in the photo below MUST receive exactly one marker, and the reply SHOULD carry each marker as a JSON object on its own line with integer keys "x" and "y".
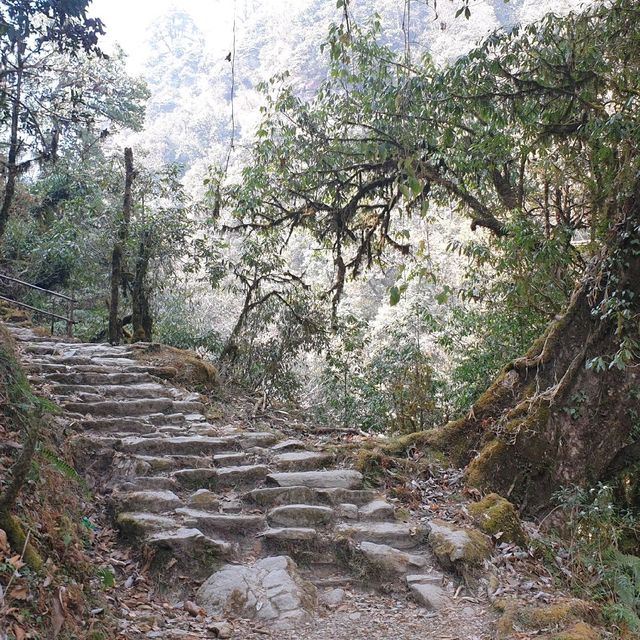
{"x": 128, "y": 21}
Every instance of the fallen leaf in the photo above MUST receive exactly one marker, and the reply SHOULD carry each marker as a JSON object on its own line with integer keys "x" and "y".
{"x": 57, "y": 611}
{"x": 16, "y": 562}
{"x": 19, "y": 632}
{"x": 193, "y": 609}
{"x": 19, "y": 592}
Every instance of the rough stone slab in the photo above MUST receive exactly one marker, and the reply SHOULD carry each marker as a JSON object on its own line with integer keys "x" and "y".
{"x": 270, "y": 591}
{"x": 117, "y": 425}
{"x": 338, "y": 478}
{"x": 434, "y": 578}
{"x": 193, "y": 550}
{"x": 302, "y": 460}
{"x": 187, "y": 406}
{"x": 347, "y": 511}
{"x": 288, "y": 445}
{"x": 201, "y": 478}
{"x": 377, "y": 510}
{"x": 175, "y": 445}
{"x": 389, "y": 559}
{"x": 120, "y": 408}
{"x": 394, "y": 534}
{"x": 134, "y": 525}
{"x": 275, "y": 496}
{"x": 235, "y": 476}
{"x": 458, "y": 549}
{"x": 149, "y": 483}
{"x": 204, "y": 499}
{"x": 429, "y": 596}
{"x": 294, "y": 534}
{"x": 251, "y": 439}
{"x": 239, "y": 524}
{"x": 143, "y": 391}
{"x": 229, "y": 459}
{"x": 149, "y": 501}
{"x": 300, "y": 515}
{"x": 89, "y": 378}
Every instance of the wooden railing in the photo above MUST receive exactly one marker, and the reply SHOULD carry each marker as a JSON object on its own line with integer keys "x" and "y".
{"x": 53, "y": 295}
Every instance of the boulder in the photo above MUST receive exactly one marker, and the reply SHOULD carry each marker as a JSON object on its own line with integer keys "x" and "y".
{"x": 270, "y": 591}
{"x": 497, "y": 516}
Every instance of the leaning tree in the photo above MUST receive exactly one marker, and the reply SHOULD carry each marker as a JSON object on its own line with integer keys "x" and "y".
{"x": 539, "y": 125}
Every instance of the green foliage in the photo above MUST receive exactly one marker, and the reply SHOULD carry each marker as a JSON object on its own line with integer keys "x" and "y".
{"x": 592, "y": 560}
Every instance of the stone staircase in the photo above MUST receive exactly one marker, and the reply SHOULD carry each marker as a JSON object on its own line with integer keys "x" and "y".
{"x": 194, "y": 496}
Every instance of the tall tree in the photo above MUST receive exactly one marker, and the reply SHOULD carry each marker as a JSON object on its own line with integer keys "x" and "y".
{"x": 535, "y": 127}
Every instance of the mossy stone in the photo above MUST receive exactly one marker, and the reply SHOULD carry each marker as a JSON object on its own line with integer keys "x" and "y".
{"x": 579, "y": 631}
{"x": 494, "y": 514}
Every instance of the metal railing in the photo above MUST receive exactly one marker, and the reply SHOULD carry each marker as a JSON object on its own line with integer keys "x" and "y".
{"x": 70, "y": 302}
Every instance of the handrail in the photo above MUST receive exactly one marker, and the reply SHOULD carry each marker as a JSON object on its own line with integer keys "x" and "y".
{"x": 50, "y": 314}
{"x": 42, "y": 311}
{"x": 33, "y": 286}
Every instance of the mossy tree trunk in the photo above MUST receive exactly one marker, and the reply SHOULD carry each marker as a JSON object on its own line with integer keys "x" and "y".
{"x": 549, "y": 419}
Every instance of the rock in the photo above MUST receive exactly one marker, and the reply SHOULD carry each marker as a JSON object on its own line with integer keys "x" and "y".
{"x": 457, "y": 549}
{"x": 377, "y": 510}
{"x": 302, "y": 460}
{"x": 149, "y": 501}
{"x": 496, "y": 515}
{"x": 338, "y": 478}
{"x": 239, "y": 524}
{"x": 270, "y": 591}
{"x": 347, "y": 511}
{"x": 194, "y": 551}
{"x": 288, "y": 445}
{"x": 300, "y": 515}
{"x": 332, "y": 598}
{"x": 390, "y": 560}
{"x": 233, "y": 476}
{"x": 430, "y": 596}
{"x": 399, "y": 535}
{"x": 291, "y": 533}
{"x": 204, "y": 499}
{"x": 133, "y": 525}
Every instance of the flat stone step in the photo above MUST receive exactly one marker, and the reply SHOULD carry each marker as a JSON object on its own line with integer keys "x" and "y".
{"x": 136, "y": 525}
{"x": 241, "y": 475}
{"x": 229, "y": 459}
{"x": 117, "y": 425}
{"x": 149, "y": 483}
{"x": 337, "y": 478}
{"x": 290, "y": 534}
{"x": 146, "y": 390}
{"x": 148, "y": 465}
{"x": 198, "y": 478}
{"x": 88, "y": 361}
{"x": 79, "y": 349}
{"x": 175, "y": 445}
{"x": 302, "y": 460}
{"x": 395, "y": 534}
{"x": 187, "y": 406}
{"x": 377, "y": 510}
{"x": 89, "y": 378}
{"x": 243, "y": 439}
{"x": 300, "y": 515}
{"x": 388, "y": 560}
{"x": 237, "y": 524}
{"x": 121, "y": 408}
{"x": 195, "y": 552}
{"x": 147, "y": 501}
{"x": 275, "y": 496}
{"x": 292, "y": 444}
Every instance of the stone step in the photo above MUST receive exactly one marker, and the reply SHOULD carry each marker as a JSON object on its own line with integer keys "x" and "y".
{"x": 135, "y": 525}
{"x": 115, "y": 425}
{"x": 102, "y": 378}
{"x": 376, "y": 510}
{"x": 394, "y": 534}
{"x": 79, "y": 349}
{"x": 290, "y": 534}
{"x": 146, "y": 390}
{"x": 149, "y": 465}
{"x": 337, "y": 478}
{"x": 147, "y": 501}
{"x": 274, "y": 496}
{"x": 237, "y": 524}
{"x": 302, "y": 460}
{"x": 148, "y": 483}
{"x": 300, "y": 515}
{"x": 121, "y": 408}
{"x": 229, "y": 459}
{"x": 222, "y": 477}
{"x": 387, "y": 561}
{"x": 77, "y": 362}
{"x": 292, "y": 444}
{"x": 187, "y": 406}
{"x": 175, "y": 445}
{"x": 196, "y": 553}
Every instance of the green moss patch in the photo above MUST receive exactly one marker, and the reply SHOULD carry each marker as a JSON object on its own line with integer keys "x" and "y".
{"x": 496, "y": 515}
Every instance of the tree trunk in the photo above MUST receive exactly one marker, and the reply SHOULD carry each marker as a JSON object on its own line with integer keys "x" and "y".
{"x": 141, "y": 313}
{"x": 117, "y": 273}
{"x": 14, "y": 148}
{"x": 549, "y": 421}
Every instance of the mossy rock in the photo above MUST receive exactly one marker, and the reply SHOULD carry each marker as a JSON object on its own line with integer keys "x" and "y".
{"x": 481, "y": 470}
{"x": 579, "y": 631}
{"x": 461, "y": 550}
{"x": 559, "y": 619}
{"x": 190, "y": 369}
{"x": 494, "y": 514}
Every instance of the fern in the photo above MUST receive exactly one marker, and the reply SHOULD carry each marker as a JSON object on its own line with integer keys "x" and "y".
{"x": 61, "y": 465}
